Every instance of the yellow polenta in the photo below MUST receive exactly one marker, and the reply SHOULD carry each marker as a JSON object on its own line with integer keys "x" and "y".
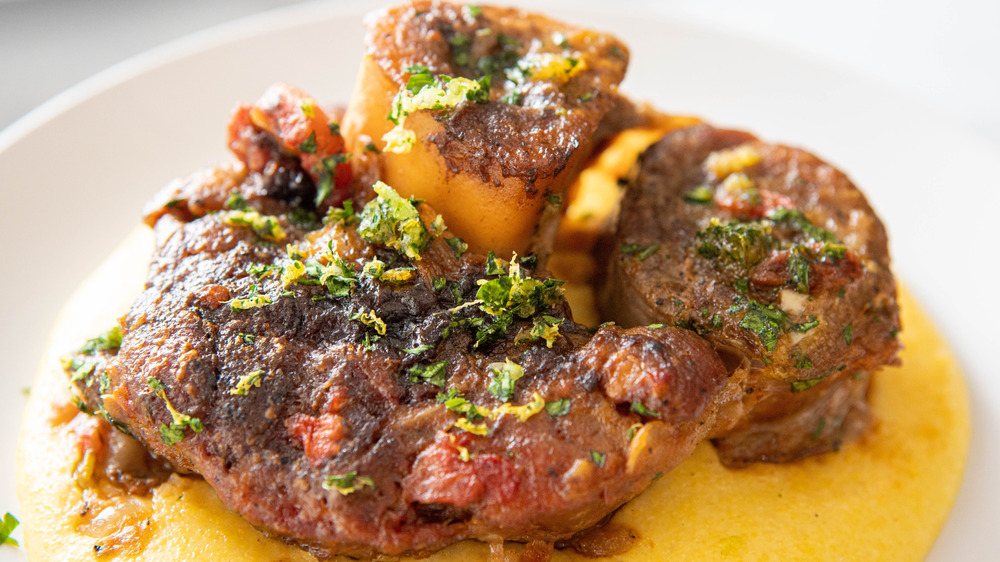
{"x": 884, "y": 498}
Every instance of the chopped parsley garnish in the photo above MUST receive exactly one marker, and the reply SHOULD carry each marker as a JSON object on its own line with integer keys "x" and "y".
{"x": 742, "y": 243}
{"x": 796, "y": 219}
{"x": 513, "y": 98}
{"x": 424, "y": 90}
{"x": 767, "y": 321}
{"x": 803, "y": 362}
{"x": 701, "y": 195}
{"x": 396, "y": 276}
{"x": 343, "y": 214}
{"x": 716, "y": 320}
{"x": 110, "y": 340}
{"x": 558, "y": 408}
{"x": 598, "y": 458}
{"x": 308, "y": 146}
{"x": 514, "y": 295}
{"x": 327, "y": 170}
{"x": 632, "y": 429}
{"x": 292, "y": 272}
{"x": 370, "y": 147}
{"x": 371, "y": 320}
{"x": 546, "y": 328}
{"x": 248, "y": 339}
{"x": 461, "y": 47}
{"x": 417, "y": 69}
{"x": 456, "y": 293}
{"x": 173, "y": 433}
{"x": 457, "y": 245}
{"x": 473, "y": 10}
{"x": 303, "y": 218}
{"x": 497, "y": 63}
{"x": 505, "y": 376}
{"x": 529, "y": 262}
{"x": 640, "y": 251}
{"x": 265, "y": 226}
{"x": 439, "y": 283}
{"x": 538, "y": 66}
{"x": 799, "y": 386}
{"x": 805, "y": 326}
{"x": 348, "y": 483}
{"x": 334, "y": 128}
{"x": 834, "y": 251}
{"x": 494, "y": 266}
{"x": 848, "y": 333}
{"x": 435, "y": 373}
{"x": 81, "y": 368}
{"x": 419, "y": 349}
{"x": 336, "y": 275}
{"x": 454, "y": 401}
{"x": 7, "y": 527}
{"x": 518, "y": 294}
{"x": 394, "y": 222}
{"x": 235, "y": 201}
{"x": 253, "y": 301}
{"x": 246, "y": 381}
{"x": 510, "y": 295}
{"x": 374, "y": 268}
{"x": 80, "y": 405}
{"x": 742, "y": 284}
{"x": 799, "y": 268}
{"x": 642, "y": 410}
{"x": 260, "y": 270}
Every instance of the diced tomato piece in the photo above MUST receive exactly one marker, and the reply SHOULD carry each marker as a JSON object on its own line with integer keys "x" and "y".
{"x": 320, "y": 436}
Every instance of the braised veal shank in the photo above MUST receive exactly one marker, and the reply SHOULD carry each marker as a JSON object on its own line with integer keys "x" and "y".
{"x": 777, "y": 260}
{"x": 368, "y": 409}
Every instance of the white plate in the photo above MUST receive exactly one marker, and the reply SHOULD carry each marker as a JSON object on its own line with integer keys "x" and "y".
{"x": 76, "y": 171}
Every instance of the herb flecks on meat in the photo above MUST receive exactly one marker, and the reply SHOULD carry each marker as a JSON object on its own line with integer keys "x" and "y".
{"x": 382, "y": 386}
{"x": 780, "y": 263}
{"x": 486, "y": 117}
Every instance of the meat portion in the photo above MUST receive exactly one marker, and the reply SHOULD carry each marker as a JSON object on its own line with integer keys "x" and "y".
{"x": 491, "y": 113}
{"x": 369, "y": 387}
{"x": 776, "y": 259}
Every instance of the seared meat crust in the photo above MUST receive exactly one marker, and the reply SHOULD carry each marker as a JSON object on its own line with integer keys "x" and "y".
{"x": 527, "y": 130}
{"x": 541, "y": 95}
{"x": 307, "y": 419}
{"x": 775, "y": 258}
